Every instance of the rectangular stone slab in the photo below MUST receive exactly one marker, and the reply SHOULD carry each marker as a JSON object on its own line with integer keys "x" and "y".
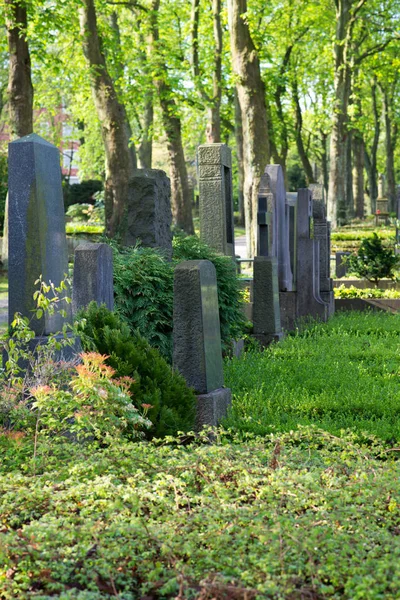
{"x": 93, "y": 276}
{"x": 36, "y": 225}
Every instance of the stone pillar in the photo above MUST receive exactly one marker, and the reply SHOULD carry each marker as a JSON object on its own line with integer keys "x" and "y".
{"x": 341, "y": 267}
{"x": 266, "y": 310}
{"x": 148, "y": 215}
{"x": 263, "y": 227}
{"x": 322, "y": 235}
{"x": 197, "y": 339}
{"x": 93, "y": 276}
{"x": 308, "y": 299}
{"x": 273, "y": 188}
{"x": 36, "y": 226}
{"x": 291, "y": 204}
{"x": 216, "y": 197}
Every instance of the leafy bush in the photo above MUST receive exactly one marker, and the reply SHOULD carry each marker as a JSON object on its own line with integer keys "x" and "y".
{"x": 163, "y": 391}
{"x": 373, "y": 261}
{"x": 229, "y": 291}
{"x": 143, "y": 286}
{"x": 79, "y": 212}
{"x": 353, "y": 292}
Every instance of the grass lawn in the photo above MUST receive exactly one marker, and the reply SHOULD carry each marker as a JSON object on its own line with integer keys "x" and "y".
{"x": 344, "y": 374}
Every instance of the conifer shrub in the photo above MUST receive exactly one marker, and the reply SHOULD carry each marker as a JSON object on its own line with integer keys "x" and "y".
{"x": 172, "y": 403}
{"x": 373, "y": 261}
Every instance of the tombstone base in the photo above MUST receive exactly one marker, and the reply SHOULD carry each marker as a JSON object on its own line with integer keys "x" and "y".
{"x": 212, "y": 407}
{"x": 329, "y": 299}
{"x": 287, "y": 301}
{"x": 266, "y": 339}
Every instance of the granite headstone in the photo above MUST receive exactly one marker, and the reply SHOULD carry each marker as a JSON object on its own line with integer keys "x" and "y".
{"x": 93, "y": 276}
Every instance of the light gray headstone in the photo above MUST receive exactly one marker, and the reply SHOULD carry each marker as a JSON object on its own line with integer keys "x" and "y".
{"x": 148, "y": 215}
{"x": 93, "y": 276}
{"x": 273, "y": 187}
{"x": 216, "y": 197}
{"x": 36, "y": 225}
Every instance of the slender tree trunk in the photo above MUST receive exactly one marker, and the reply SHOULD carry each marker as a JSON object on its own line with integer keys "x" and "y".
{"x": 299, "y": 137}
{"x": 181, "y": 202}
{"x": 358, "y": 174}
{"x": 324, "y": 160}
{"x": 371, "y": 156}
{"x": 20, "y": 88}
{"x": 251, "y": 94}
{"x": 120, "y": 159}
{"x": 239, "y": 154}
{"x": 145, "y": 148}
{"x": 338, "y": 155}
{"x": 349, "y": 198}
{"x": 390, "y": 144}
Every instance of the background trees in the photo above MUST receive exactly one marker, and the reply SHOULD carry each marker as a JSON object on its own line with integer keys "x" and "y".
{"x": 313, "y": 86}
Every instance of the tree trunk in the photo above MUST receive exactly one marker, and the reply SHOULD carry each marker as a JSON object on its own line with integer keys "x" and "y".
{"x": 371, "y": 157}
{"x": 251, "y": 94}
{"x": 120, "y": 159}
{"x": 358, "y": 174}
{"x": 145, "y": 148}
{"x": 239, "y": 154}
{"x": 299, "y": 137}
{"x": 349, "y": 198}
{"x": 181, "y": 202}
{"x": 390, "y": 144}
{"x": 324, "y": 161}
{"x": 337, "y": 177}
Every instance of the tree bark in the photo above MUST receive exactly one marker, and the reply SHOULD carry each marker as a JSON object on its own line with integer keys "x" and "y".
{"x": 120, "y": 159}
{"x": 251, "y": 94}
{"x": 324, "y": 160}
{"x": 20, "y": 88}
{"x": 358, "y": 174}
{"x": 371, "y": 156}
{"x": 145, "y": 149}
{"x": 390, "y": 145}
{"x": 181, "y": 202}
{"x": 239, "y": 154}
{"x": 299, "y": 135}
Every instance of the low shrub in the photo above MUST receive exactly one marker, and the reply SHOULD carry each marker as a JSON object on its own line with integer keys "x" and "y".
{"x": 353, "y": 292}
{"x": 373, "y": 261}
{"x": 170, "y": 403}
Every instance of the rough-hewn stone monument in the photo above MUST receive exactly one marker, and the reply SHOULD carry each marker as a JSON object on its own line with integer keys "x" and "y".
{"x": 197, "y": 339}
{"x": 215, "y": 197}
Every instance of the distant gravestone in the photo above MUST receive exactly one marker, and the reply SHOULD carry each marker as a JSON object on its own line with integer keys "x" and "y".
{"x": 266, "y": 309}
{"x": 322, "y": 235}
{"x": 36, "y": 225}
{"x": 197, "y": 339}
{"x": 273, "y": 188}
{"x": 341, "y": 267}
{"x": 148, "y": 215}
{"x": 308, "y": 298}
{"x": 291, "y": 203}
{"x": 216, "y": 197}
{"x": 93, "y": 276}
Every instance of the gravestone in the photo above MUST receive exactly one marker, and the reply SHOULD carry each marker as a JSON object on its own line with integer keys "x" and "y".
{"x": 197, "y": 339}
{"x": 341, "y": 267}
{"x": 266, "y": 309}
{"x": 291, "y": 203}
{"x": 36, "y": 226}
{"x": 263, "y": 227}
{"x": 322, "y": 234}
{"x": 308, "y": 298}
{"x": 93, "y": 276}
{"x": 272, "y": 187}
{"x": 148, "y": 215}
{"x": 216, "y": 197}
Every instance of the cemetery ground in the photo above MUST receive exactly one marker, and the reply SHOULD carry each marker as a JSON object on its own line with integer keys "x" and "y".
{"x": 297, "y": 497}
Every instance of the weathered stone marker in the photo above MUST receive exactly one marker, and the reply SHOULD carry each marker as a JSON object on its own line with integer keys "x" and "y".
{"x": 215, "y": 197}
{"x": 197, "y": 339}
{"x": 264, "y": 224}
{"x": 341, "y": 267}
{"x": 36, "y": 226}
{"x": 93, "y": 276}
{"x": 266, "y": 309}
{"x": 148, "y": 215}
{"x": 322, "y": 235}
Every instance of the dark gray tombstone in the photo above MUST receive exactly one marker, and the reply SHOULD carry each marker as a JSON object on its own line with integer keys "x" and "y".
{"x": 263, "y": 226}
{"x": 216, "y": 197}
{"x": 322, "y": 235}
{"x": 341, "y": 267}
{"x": 36, "y": 225}
{"x": 148, "y": 215}
{"x": 266, "y": 309}
{"x": 291, "y": 203}
{"x": 197, "y": 339}
{"x": 308, "y": 299}
{"x": 93, "y": 276}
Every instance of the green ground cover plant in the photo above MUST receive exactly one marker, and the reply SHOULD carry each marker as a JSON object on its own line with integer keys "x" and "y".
{"x": 289, "y": 516}
{"x": 340, "y": 375}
